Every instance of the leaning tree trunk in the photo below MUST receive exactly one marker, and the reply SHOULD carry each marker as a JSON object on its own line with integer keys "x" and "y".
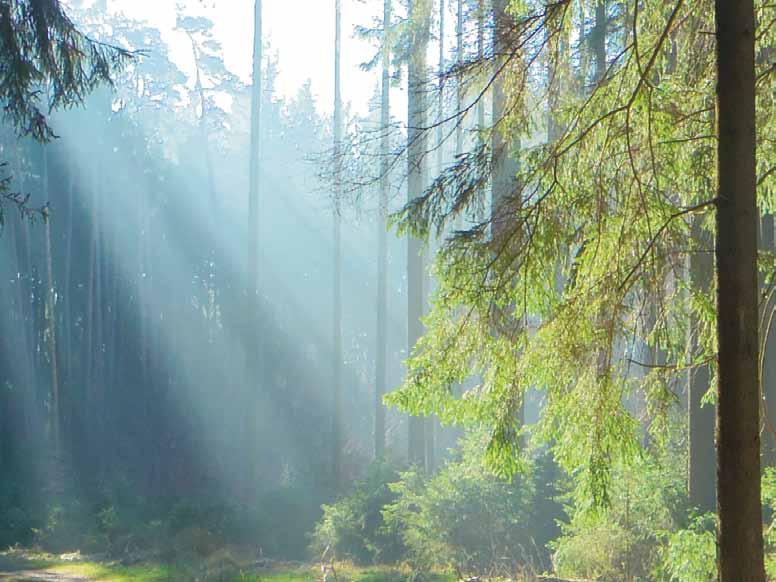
{"x": 738, "y": 424}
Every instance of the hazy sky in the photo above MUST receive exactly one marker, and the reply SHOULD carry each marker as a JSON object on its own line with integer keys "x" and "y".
{"x": 301, "y": 31}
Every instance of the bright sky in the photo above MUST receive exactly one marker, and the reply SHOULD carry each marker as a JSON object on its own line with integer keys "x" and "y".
{"x": 301, "y": 31}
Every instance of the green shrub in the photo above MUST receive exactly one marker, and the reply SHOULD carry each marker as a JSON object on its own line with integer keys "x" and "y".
{"x": 623, "y": 541}
{"x": 353, "y": 527}
{"x": 597, "y": 550}
{"x": 17, "y": 524}
{"x": 690, "y": 554}
{"x": 283, "y": 519}
{"x": 463, "y": 516}
{"x": 769, "y": 506}
{"x": 70, "y": 525}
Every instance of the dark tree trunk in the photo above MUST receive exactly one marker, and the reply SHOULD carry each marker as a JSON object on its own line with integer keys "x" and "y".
{"x": 599, "y": 39}
{"x": 701, "y": 480}
{"x": 738, "y": 425}
{"x": 768, "y": 355}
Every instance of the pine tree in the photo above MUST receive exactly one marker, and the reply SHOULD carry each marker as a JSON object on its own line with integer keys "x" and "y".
{"x": 738, "y": 391}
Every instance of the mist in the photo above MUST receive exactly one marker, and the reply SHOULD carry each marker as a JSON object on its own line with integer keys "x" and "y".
{"x": 391, "y": 290}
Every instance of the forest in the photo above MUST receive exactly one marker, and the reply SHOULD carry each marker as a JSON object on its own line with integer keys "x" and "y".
{"x": 388, "y": 290}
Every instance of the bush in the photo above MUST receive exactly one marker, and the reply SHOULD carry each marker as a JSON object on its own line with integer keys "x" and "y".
{"x": 690, "y": 554}
{"x": 625, "y": 540}
{"x": 70, "y": 526}
{"x": 16, "y": 523}
{"x": 463, "y": 516}
{"x": 283, "y": 520}
{"x": 353, "y": 527}
{"x": 769, "y": 506}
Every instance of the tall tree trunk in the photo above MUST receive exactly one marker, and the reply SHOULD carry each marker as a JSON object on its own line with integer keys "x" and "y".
{"x": 504, "y": 164}
{"x": 441, "y": 89}
{"x": 51, "y": 322}
{"x": 481, "y": 56}
{"x": 768, "y": 355}
{"x": 68, "y": 299}
{"x": 433, "y": 428}
{"x": 459, "y": 81}
{"x": 99, "y": 329}
{"x": 382, "y": 240}
{"x": 19, "y": 320}
{"x": 738, "y": 424}
{"x": 90, "y": 431}
{"x": 336, "y": 419}
{"x": 701, "y": 419}
{"x": 419, "y": 11}
{"x": 30, "y": 360}
{"x": 254, "y": 352}
{"x": 599, "y": 39}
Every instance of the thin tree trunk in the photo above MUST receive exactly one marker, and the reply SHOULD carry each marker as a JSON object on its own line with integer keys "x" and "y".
{"x": 254, "y": 353}
{"x": 768, "y": 355}
{"x": 416, "y": 150}
{"x": 382, "y": 240}
{"x": 504, "y": 164}
{"x": 738, "y": 424}
{"x": 459, "y": 81}
{"x": 30, "y": 318}
{"x": 599, "y": 39}
{"x": 481, "y": 57}
{"x": 433, "y": 428}
{"x": 68, "y": 286}
{"x": 701, "y": 480}
{"x": 51, "y": 321}
{"x": 336, "y": 420}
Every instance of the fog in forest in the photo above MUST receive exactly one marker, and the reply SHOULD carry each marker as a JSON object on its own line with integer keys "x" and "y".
{"x": 381, "y": 290}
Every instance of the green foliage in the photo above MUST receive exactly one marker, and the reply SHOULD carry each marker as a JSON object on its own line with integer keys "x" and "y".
{"x": 69, "y": 526}
{"x": 627, "y": 538}
{"x": 464, "y": 516}
{"x": 690, "y": 554}
{"x": 768, "y": 486}
{"x": 353, "y": 527}
{"x": 283, "y": 519}
{"x": 589, "y": 257}
{"x": 16, "y": 522}
{"x": 47, "y": 63}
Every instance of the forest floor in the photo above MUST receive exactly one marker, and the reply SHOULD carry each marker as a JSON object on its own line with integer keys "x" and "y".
{"x": 27, "y": 566}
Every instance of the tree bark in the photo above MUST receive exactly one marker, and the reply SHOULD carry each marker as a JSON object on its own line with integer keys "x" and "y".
{"x": 738, "y": 424}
